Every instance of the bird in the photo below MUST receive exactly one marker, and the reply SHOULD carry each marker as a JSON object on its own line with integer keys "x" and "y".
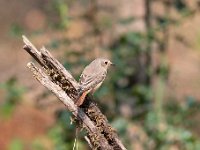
{"x": 92, "y": 77}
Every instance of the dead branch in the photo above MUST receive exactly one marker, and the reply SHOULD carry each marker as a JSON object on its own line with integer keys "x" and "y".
{"x": 60, "y": 82}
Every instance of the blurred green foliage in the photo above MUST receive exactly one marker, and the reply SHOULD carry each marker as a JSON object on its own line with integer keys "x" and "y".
{"x": 63, "y": 133}
{"x": 127, "y": 97}
{"x": 16, "y": 30}
{"x": 13, "y": 95}
{"x": 129, "y": 85}
{"x": 58, "y": 10}
{"x": 16, "y": 144}
{"x": 37, "y": 145}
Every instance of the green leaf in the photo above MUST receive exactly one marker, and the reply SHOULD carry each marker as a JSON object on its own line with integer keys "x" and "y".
{"x": 16, "y": 144}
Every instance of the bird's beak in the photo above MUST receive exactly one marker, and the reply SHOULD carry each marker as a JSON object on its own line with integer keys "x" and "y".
{"x": 112, "y": 64}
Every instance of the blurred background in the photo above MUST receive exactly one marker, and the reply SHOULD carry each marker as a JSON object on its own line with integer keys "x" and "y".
{"x": 151, "y": 97}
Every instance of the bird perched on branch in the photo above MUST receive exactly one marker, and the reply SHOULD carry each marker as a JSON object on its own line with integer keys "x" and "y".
{"x": 92, "y": 77}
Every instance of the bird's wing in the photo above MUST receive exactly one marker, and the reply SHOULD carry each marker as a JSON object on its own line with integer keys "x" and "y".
{"x": 89, "y": 81}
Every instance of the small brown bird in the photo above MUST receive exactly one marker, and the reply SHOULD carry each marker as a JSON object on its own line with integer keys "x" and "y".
{"x": 92, "y": 77}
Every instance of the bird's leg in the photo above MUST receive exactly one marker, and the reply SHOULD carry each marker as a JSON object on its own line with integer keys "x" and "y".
{"x": 81, "y": 99}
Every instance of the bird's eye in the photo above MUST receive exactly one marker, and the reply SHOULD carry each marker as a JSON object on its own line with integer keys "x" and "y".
{"x": 106, "y": 62}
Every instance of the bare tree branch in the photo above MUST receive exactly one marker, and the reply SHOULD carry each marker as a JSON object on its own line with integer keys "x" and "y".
{"x": 59, "y": 81}
{"x": 62, "y": 96}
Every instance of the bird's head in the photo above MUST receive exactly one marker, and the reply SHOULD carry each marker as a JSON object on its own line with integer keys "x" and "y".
{"x": 106, "y": 63}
